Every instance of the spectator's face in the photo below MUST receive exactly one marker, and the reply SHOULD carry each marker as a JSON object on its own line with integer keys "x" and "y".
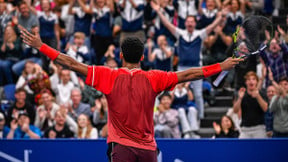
{"x": 20, "y": 96}
{"x": 46, "y": 98}
{"x": 79, "y": 41}
{"x": 190, "y": 23}
{"x": 35, "y": 29}
{"x": 166, "y": 102}
{"x": 45, "y": 5}
{"x": 243, "y": 48}
{"x": 29, "y": 67}
{"x": 274, "y": 46}
{"x": 234, "y": 5}
{"x": 82, "y": 121}
{"x": 161, "y": 40}
{"x": 23, "y": 119}
{"x": 100, "y": 3}
{"x": 24, "y": 10}
{"x": 226, "y": 123}
{"x": 65, "y": 76}
{"x": 284, "y": 85}
{"x": 60, "y": 118}
{"x": 9, "y": 31}
{"x": 112, "y": 63}
{"x": 76, "y": 97}
{"x": 210, "y": 4}
{"x": 271, "y": 91}
{"x": 251, "y": 82}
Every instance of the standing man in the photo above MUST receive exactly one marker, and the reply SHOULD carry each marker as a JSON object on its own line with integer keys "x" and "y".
{"x": 130, "y": 93}
{"x": 189, "y": 47}
{"x": 253, "y": 106}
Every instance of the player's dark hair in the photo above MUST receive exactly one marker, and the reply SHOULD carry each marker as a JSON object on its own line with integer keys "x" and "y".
{"x": 132, "y": 49}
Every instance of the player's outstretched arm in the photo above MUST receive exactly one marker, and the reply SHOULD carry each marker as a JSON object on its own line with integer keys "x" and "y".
{"x": 207, "y": 71}
{"x": 35, "y": 41}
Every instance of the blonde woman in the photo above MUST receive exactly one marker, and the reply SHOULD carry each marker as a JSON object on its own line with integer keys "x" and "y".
{"x": 10, "y": 53}
{"x": 85, "y": 129}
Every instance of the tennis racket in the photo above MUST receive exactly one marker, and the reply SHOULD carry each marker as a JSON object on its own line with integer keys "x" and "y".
{"x": 249, "y": 36}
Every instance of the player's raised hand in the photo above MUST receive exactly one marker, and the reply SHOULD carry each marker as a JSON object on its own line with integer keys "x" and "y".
{"x": 230, "y": 63}
{"x": 30, "y": 39}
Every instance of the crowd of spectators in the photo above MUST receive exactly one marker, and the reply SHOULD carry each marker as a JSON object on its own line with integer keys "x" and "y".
{"x": 50, "y": 101}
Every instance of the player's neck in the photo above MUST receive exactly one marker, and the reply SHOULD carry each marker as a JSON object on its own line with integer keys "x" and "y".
{"x": 131, "y": 66}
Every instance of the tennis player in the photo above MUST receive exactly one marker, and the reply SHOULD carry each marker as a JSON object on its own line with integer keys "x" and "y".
{"x": 131, "y": 93}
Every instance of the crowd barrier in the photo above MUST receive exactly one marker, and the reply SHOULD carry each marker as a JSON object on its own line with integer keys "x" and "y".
{"x": 200, "y": 150}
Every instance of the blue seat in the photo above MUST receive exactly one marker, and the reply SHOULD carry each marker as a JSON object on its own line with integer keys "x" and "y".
{"x": 9, "y": 91}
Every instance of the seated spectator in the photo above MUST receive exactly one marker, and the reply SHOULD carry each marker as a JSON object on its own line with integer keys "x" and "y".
{"x": 78, "y": 50}
{"x": 226, "y": 129}
{"x": 85, "y": 129}
{"x": 60, "y": 129}
{"x": 20, "y": 106}
{"x": 55, "y": 77}
{"x": 77, "y": 107}
{"x": 100, "y": 113}
{"x": 112, "y": 53}
{"x": 163, "y": 55}
{"x": 279, "y": 108}
{"x": 166, "y": 119}
{"x": 22, "y": 129}
{"x": 64, "y": 88}
{"x": 253, "y": 105}
{"x": 182, "y": 99}
{"x": 30, "y": 71}
{"x": 270, "y": 92}
{"x": 10, "y": 53}
{"x": 45, "y": 113}
{"x": 207, "y": 14}
{"x": 4, "y": 130}
{"x": 29, "y": 54}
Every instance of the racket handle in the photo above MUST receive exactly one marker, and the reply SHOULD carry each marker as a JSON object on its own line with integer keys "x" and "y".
{"x": 220, "y": 78}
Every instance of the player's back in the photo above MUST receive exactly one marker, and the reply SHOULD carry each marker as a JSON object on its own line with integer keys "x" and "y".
{"x": 131, "y": 96}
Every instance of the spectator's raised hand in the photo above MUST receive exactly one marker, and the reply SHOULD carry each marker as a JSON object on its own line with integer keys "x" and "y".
{"x": 13, "y": 124}
{"x": 32, "y": 40}
{"x": 217, "y": 128}
{"x": 241, "y": 92}
{"x": 154, "y": 5}
{"x": 15, "y": 20}
{"x": 267, "y": 35}
{"x": 25, "y": 127}
{"x": 270, "y": 74}
{"x": 280, "y": 30}
{"x": 42, "y": 113}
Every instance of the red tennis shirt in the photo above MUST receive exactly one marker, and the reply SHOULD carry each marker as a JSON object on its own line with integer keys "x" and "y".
{"x": 131, "y": 96}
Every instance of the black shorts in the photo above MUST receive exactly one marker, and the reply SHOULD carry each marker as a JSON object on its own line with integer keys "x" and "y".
{"x": 120, "y": 153}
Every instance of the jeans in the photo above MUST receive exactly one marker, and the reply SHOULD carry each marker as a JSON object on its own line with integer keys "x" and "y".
{"x": 6, "y": 72}
{"x": 197, "y": 91}
{"x": 18, "y": 67}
